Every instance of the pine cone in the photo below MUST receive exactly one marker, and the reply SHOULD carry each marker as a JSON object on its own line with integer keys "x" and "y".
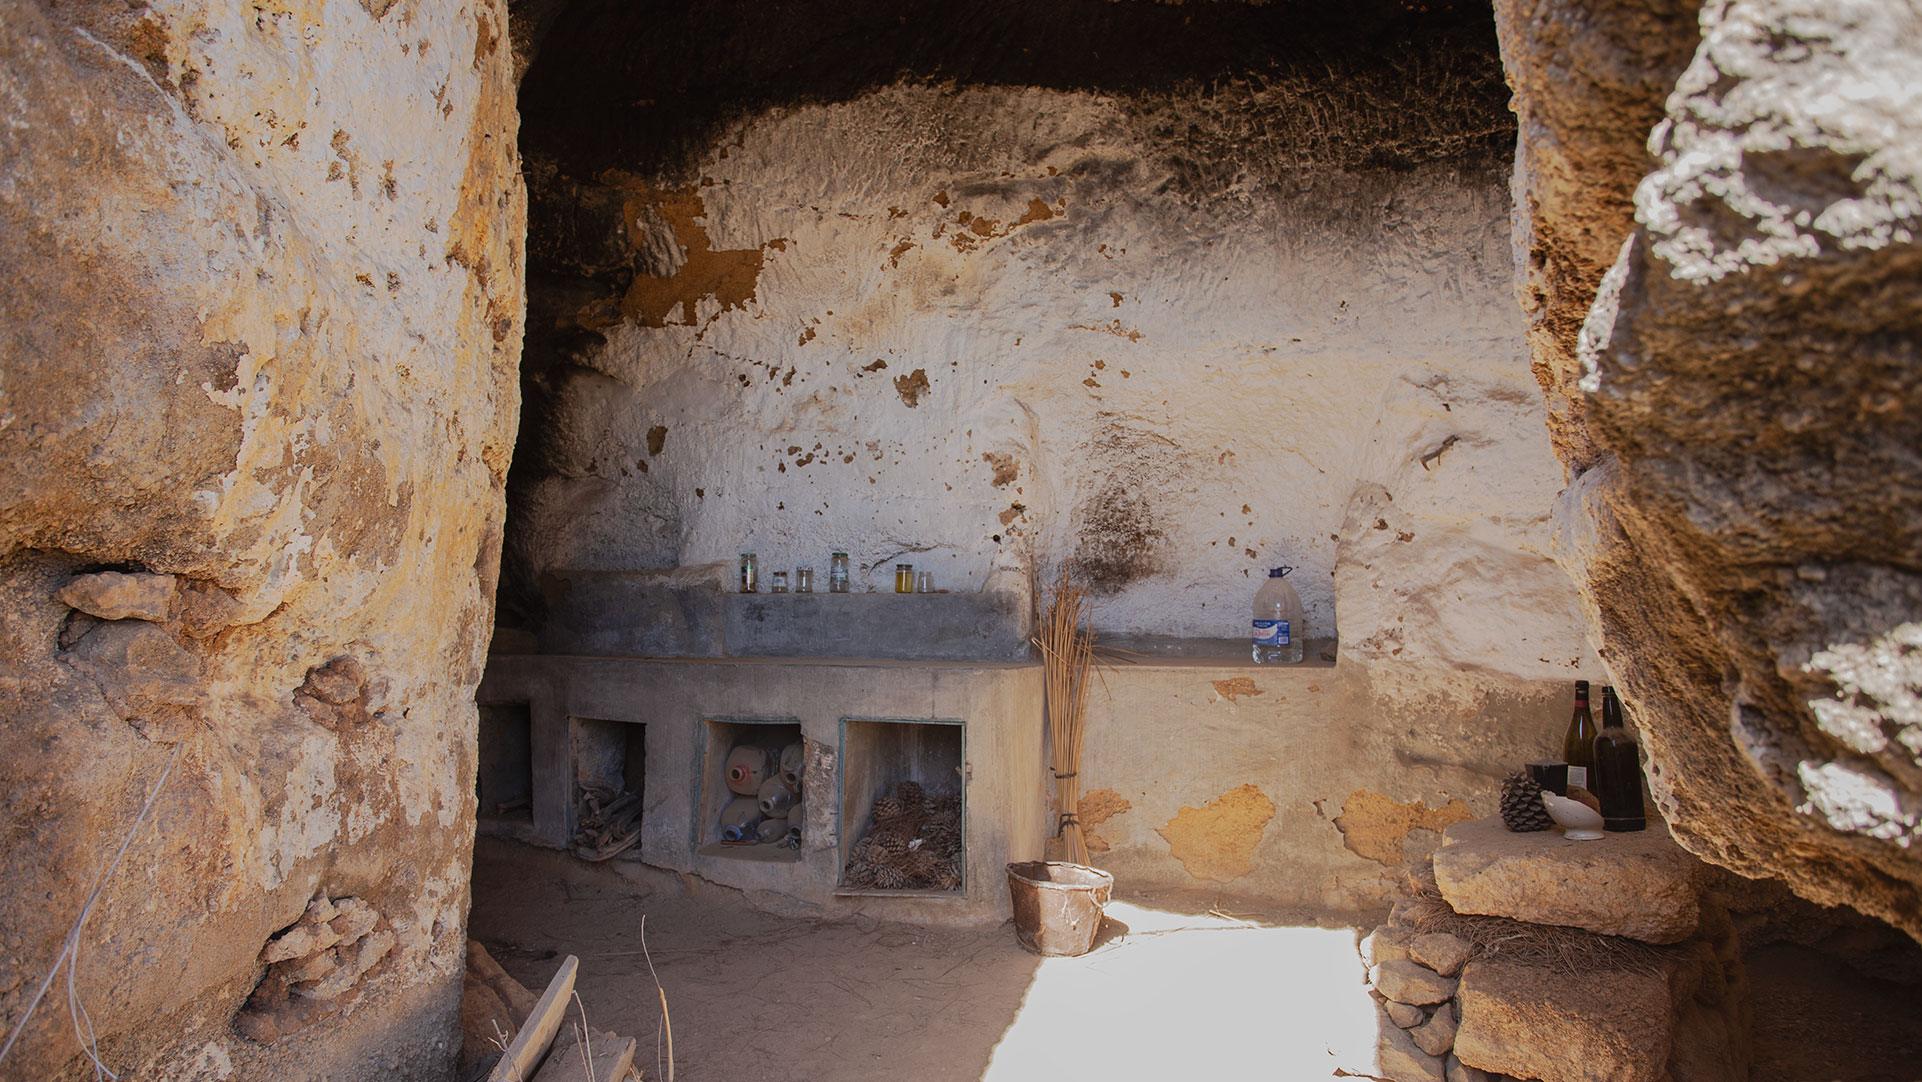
{"x": 910, "y": 794}
{"x": 859, "y": 874}
{"x": 1522, "y": 809}
{"x": 948, "y": 876}
{"x": 888, "y": 810}
{"x": 947, "y": 804}
{"x": 889, "y": 877}
{"x": 887, "y": 845}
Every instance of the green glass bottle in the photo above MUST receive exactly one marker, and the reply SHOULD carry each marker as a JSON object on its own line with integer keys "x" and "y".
{"x": 1578, "y": 744}
{"x": 1618, "y": 770}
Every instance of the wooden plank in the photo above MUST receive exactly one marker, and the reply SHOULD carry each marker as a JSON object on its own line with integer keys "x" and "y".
{"x": 530, "y": 1043}
{"x": 613, "y": 1058}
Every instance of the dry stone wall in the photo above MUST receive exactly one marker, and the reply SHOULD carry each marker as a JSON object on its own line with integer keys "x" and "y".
{"x": 259, "y": 338}
{"x": 1743, "y": 523}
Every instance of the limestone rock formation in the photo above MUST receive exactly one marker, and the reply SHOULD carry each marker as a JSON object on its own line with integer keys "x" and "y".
{"x": 1744, "y": 521}
{"x": 259, "y": 334}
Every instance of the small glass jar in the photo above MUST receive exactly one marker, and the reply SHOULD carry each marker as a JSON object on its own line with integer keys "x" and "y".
{"x": 924, "y": 583}
{"x": 838, "y": 573}
{"x": 779, "y": 583}
{"x": 903, "y": 578}
{"x": 803, "y": 580}
{"x": 750, "y": 574}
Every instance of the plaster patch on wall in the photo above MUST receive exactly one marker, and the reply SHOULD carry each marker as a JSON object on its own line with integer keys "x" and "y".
{"x": 1375, "y": 827}
{"x": 1098, "y": 806}
{"x": 728, "y": 276}
{"x": 1235, "y": 689}
{"x": 1217, "y": 841}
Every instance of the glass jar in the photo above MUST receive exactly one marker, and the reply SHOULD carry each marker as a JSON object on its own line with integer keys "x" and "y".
{"x": 838, "y": 573}
{"x": 924, "y": 583}
{"x": 779, "y": 583}
{"x": 903, "y": 578}
{"x": 803, "y": 580}
{"x": 750, "y": 575}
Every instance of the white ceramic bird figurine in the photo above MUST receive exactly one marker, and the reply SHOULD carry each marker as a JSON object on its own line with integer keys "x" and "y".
{"x": 1579, "y": 822}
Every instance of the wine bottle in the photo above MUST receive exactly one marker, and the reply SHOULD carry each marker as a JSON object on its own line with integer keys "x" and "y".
{"x": 1578, "y": 744}
{"x": 1618, "y": 770}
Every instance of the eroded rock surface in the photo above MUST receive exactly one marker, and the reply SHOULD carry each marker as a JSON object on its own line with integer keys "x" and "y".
{"x": 1745, "y": 519}
{"x": 259, "y": 332}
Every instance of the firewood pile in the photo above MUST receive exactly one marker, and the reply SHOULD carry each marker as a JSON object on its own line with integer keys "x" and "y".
{"x": 608, "y": 823}
{"x": 914, "y": 844}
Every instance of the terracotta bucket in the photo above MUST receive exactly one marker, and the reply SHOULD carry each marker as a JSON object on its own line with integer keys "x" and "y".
{"x": 1057, "y": 906}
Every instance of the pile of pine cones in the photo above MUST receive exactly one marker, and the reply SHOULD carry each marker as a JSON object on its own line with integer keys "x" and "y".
{"x": 915, "y": 843}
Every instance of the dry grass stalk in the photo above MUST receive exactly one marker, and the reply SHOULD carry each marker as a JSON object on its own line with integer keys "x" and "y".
{"x": 1067, "y": 655}
{"x": 1569, "y": 951}
{"x": 667, "y": 1023}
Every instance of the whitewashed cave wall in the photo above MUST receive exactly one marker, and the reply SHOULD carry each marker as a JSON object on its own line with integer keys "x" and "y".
{"x": 982, "y": 329}
{"x": 987, "y": 330}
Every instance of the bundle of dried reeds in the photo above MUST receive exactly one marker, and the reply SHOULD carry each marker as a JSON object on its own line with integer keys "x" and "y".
{"x": 1067, "y": 656}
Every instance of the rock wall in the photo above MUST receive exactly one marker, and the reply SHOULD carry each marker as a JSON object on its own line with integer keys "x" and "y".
{"x": 259, "y": 340}
{"x": 1743, "y": 522}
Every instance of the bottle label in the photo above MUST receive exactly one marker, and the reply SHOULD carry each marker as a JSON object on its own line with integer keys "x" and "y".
{"x": 1271, "y": 633}
{"x": 1578, "y": 775}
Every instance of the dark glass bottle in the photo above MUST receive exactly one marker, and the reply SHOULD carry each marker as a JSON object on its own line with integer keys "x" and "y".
{"x": 1578, "y": 744}
{"x": 1618, "y": 771}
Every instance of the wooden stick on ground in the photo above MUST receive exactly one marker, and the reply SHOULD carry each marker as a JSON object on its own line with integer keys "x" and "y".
{"x": 531, "y": 1040}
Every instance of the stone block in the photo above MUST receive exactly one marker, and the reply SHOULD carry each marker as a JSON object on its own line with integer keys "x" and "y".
{"x": 1640, "y": 885}
{"x": 1535, "y": 1022}
{"x": 1439, "y": 951}
{"x": 1437, "y": 1035}
{"x": 1387, "y": 944}
{"x": 1399, "y": 1059}
{"x": 111, "y": 595}
{"x": 1405, "y": 1015}
{"x": 1408, "y": 982}
{"x": 1462, "y": 1072}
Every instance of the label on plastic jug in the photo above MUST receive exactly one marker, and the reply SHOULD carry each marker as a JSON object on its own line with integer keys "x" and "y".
{"x": 1271, "y": 633}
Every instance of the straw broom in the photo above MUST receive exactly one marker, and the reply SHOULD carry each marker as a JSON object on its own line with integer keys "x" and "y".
{"x": 1067, "y": 653}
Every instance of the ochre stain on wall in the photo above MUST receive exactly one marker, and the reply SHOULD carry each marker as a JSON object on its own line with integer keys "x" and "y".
{"x": 729, "y": 275}
{"x": 1004, "y": 466}
{"x": 1236, "y": 688}
{"x": 1217, "y": 841}
{"x": 1375, "y": 827}
{"x": 912, "y": 386}
{"x": 1098, "y": 806}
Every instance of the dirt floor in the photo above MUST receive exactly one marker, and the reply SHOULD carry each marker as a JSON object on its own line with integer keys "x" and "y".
{"x": 1171, "y": 991}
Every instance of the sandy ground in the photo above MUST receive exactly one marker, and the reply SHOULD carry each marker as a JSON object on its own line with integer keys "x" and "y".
{"x": 772, "y": 999}
{"x": 1166, "y": 994}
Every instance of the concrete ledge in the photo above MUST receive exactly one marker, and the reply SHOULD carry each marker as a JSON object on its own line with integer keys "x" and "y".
{"x": 933, "y": 627}
{"x": 1640, "y": 885}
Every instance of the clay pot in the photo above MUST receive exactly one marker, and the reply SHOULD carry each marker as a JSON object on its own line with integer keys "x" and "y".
{"x": 741, "y": 819}
{"x": 748, "y": 766}
{"x": 793, "y": 760}
{"x": 776, "y": 799}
